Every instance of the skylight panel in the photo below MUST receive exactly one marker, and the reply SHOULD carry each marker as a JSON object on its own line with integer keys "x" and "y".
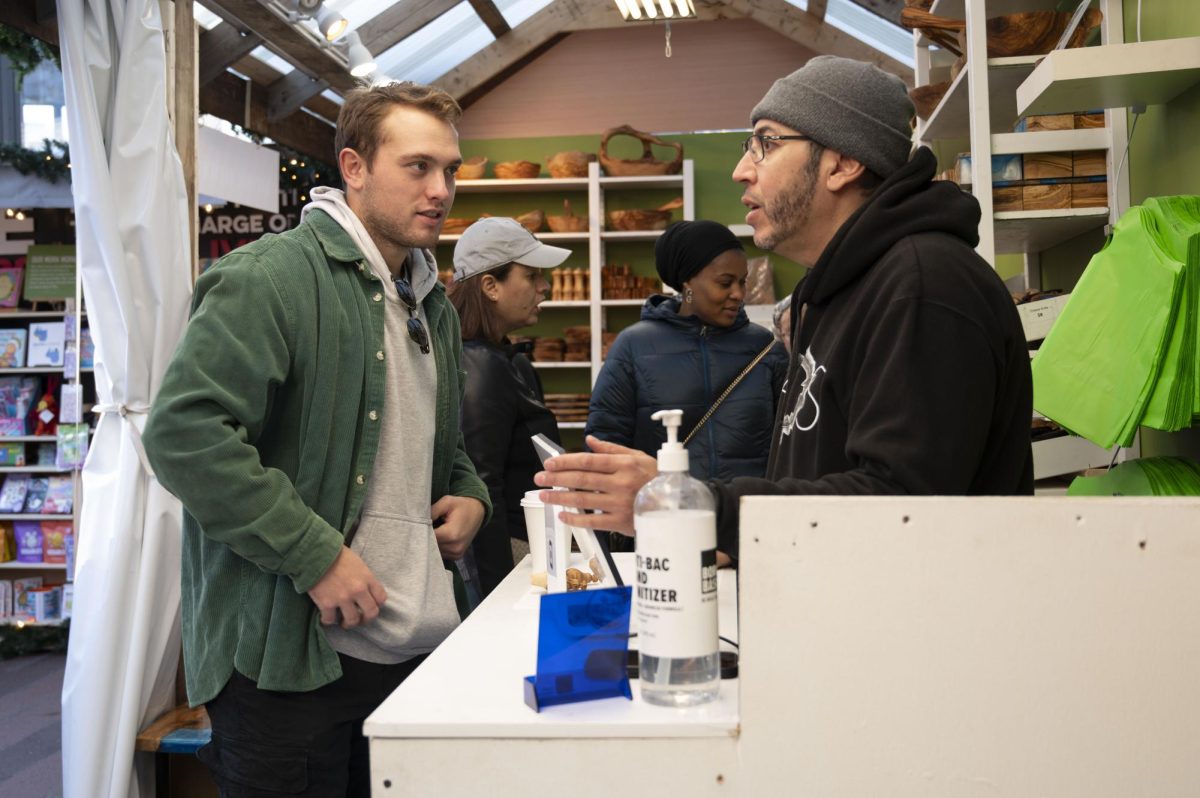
{"x": 437, "y": 48}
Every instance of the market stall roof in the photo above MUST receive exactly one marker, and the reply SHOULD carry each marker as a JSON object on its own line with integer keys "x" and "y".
{"x": 277, "y": 76}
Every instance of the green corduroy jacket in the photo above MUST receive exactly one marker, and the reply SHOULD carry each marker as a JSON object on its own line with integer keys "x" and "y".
{"x": 263, "y": 429}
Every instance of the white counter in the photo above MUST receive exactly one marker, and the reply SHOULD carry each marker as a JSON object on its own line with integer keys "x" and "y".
{"x": 889, "y": 646}
{"x": 466, "y": 702}
{"x": 472, "y": 685}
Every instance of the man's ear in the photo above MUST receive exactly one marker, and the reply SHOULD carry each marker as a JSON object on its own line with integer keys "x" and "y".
{"x": 354, "y": 169}
{"x": 845, "y": 171}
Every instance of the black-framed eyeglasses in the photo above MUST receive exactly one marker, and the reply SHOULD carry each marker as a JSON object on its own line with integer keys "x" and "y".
{"x": 756, "y": 144}
{"x": 416, "y": 330}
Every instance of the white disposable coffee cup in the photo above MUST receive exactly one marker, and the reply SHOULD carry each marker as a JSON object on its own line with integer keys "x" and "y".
{"x": 535, "y": 528}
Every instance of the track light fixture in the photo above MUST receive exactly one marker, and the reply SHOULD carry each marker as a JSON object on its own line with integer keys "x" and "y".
{"x": 362, "y": 63}
{"x": 331, "y": 23}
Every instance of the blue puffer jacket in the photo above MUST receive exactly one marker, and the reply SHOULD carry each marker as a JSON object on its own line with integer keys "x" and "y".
{"x": 667, "y": 361}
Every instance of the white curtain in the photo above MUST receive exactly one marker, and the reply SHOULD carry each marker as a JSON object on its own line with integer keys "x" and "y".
{"x": 131, "y": 223}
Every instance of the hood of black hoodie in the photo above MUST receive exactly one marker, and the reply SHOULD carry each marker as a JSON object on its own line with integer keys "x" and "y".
{"x": 907, "y": 203}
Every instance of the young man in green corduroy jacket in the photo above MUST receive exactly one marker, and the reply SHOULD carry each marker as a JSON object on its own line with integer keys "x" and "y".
{"x": 309, "y": 424}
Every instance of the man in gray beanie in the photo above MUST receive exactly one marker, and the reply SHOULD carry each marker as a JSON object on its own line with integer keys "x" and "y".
{"x": 909, "y": 370}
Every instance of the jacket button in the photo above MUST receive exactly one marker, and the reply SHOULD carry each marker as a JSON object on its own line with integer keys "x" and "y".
{"x": 378, "y": 296}
{"x": 362, "y": 268}
{"x": 379, "y": 355}
{"x": 373, "y": 416}
{"x": 360, "y": 479}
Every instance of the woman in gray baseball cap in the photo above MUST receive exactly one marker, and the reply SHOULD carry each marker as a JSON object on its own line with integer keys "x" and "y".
{"x": 499, "y": 281}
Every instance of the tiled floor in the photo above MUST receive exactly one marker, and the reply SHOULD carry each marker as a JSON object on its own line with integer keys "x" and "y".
{"x": 30, "y": 731}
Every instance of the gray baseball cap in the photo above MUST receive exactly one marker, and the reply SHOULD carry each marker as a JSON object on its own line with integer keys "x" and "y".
{"x": 495, "y": 241}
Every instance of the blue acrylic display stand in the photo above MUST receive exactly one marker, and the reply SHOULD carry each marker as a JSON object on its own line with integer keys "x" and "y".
{"x": 583, "y": 640}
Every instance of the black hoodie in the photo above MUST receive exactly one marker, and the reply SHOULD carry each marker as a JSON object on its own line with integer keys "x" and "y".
{"x": 909, "y": 371}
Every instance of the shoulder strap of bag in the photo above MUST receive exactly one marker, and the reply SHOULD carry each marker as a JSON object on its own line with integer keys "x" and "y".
{"x": 729, "y": 390}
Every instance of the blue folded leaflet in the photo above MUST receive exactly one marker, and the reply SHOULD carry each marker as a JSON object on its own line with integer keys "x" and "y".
{"x": 583, "y": 643}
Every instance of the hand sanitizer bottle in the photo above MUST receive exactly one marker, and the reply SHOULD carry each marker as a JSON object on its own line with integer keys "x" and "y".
{"x": 676, "y": 598}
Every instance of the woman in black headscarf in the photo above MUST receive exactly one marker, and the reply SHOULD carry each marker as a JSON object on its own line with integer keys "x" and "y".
{"x": 685, "y": 352}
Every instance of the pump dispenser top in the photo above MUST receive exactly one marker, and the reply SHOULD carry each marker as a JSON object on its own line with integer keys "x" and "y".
{"x": 672, "y": 456}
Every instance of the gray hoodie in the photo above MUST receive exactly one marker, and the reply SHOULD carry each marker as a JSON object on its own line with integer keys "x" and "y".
{"x": 395, "y": 534}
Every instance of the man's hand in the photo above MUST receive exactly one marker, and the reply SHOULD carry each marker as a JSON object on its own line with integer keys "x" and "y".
{"x": 461, "y": 517}
{"x": 613, "y": 473}
{"x": 348, "y": 586}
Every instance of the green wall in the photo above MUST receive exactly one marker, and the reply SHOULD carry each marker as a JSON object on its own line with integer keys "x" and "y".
{"x": 1164, "y": 157}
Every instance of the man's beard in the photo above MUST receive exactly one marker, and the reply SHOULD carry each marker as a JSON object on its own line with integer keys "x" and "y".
{"x": 385, "y": 228}
{"x": 789, "y": 213}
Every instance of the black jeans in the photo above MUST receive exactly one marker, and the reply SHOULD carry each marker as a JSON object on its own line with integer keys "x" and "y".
{"x": 267, "y": 743}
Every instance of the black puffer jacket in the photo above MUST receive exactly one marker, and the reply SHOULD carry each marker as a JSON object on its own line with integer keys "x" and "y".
{"x": 667, "y": 361}
{"x": 502, "y": 409}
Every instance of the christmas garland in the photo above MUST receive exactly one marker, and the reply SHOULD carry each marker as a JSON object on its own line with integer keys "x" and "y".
{"x": 32, "y": 639}
{"x": 25, "y": 52}
{"x": 51, "y": 162}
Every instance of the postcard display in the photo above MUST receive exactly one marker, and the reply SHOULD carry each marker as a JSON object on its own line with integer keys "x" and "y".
{"x": 45, "y": 348}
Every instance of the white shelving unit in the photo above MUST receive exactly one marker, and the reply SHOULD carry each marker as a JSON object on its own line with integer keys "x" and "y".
{"x": 596, "y": 237}
{"x": 983, "y": 104}
{"x": 1112, "y": 76}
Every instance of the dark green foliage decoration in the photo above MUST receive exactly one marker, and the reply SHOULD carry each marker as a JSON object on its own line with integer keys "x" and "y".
{"x": 32, "y": 639}
{"x": 51, "y": 162}
{"x": 25, "y": 52}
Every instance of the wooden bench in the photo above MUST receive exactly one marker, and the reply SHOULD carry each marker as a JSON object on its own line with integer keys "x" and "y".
{"x": 182, "y": 730}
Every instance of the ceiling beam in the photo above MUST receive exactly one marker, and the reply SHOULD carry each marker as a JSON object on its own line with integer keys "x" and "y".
{"x": 522, "y": 40}
{"x": 45, "y": 11}
{"x": 288, "y": 93}
{"x": 264, "y": 75}
{"x": 401, "y": 20}
{"x": 816, "y": 9}
{"x": 23, "y": 15}
{"x": 799, "y": 26}
{"x": 221, "y": 48}
{"x": 297, "y": 45}
{"x": 491, "y": 16}
{"x": 226, "y": 97}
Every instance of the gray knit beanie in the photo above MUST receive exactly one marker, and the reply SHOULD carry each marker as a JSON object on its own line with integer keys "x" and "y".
{"x": 849, "y": 106}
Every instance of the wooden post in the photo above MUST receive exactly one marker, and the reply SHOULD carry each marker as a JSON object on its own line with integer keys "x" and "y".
{"x": 183, "y": 94}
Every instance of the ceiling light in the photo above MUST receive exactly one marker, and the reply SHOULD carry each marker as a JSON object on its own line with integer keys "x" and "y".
{"x": 362, "y": 63}
{"x": 646, "y": 10}
{"x": 331, "y": 23}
